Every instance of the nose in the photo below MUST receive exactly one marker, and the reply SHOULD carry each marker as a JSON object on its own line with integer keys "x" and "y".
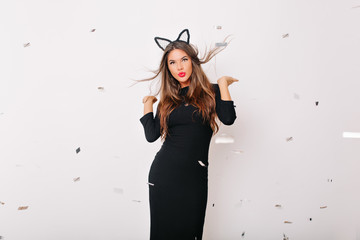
{"x": 180, "y": 66}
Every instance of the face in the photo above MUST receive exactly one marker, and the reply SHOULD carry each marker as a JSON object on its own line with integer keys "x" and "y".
{"x": 179, "y": 64}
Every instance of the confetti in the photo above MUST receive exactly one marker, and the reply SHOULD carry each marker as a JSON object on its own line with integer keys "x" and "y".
{"x": 118, "y": 190}
{"x": 221, "y": 44}
{"x": 27, "y": 45}
{"x": 2, "y": 203}
{"x": 76, "y": 179}
{"x": 77, "y": 150}
{"x": 285, "y": 35}
{"x": 151, "y": 184}
{"x": 201, "y": 163}
{"x": 138, "y": 201}
{"x": 285, "y": 237}
{"x": 218, "y": 27}
{"x": 323, "y": 207}
{"x": 289, "y": 139}
{"x": 23, "y": 207}
{"x": 296, "y": 96}
{"x": 213, "y": 204}
{"x": 101, "y": 88}
{"x": 278, "y": 205}
{"x": 243, "y": 234}
{"x": 237, "y": 151}
{"x": 93, "y": 30}
{"x": 310, "y": 219}
{"x": 330, "y": 180}
{"x": 288, "y": 222}
{"x": 224, "y": 138}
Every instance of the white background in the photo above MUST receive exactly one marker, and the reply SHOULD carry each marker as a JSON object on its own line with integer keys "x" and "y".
{"x": 50, "y": 105}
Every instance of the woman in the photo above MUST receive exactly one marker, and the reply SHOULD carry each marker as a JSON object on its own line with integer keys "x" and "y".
{"x": 185, "y": 120}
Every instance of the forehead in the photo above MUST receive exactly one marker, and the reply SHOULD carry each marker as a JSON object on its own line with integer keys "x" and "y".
{"x": 177, "y": 54}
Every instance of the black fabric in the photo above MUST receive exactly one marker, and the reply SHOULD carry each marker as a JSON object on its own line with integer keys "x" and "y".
{"x": 178, "y": 182}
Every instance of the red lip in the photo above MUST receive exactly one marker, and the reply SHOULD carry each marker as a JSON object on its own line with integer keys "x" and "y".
{"x": 182, "y": 74}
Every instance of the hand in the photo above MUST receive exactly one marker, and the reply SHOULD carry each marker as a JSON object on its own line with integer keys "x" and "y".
{"x": 151, "y": 99}
{"x": 226, "y": 80}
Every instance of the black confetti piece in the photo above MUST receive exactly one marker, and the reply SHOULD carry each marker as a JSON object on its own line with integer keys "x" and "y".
{"x": 76, "y": 179}
{"x": 285, "y": 35}
{"x": 213, "y": 204}
{"x": 27, "y": 45}
{"x": 93, "y": 30}
{"x": 243, "y": 234}
{"x": 310, "y": 219}
{"x": 77, "y": 150}
{"x": 289, "y": 139}
{"x": 316, "y": 103}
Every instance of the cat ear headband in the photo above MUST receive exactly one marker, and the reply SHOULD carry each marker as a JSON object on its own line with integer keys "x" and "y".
{"x": 184, "y": 36}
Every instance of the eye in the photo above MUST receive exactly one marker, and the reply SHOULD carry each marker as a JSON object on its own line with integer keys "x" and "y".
{"x": 185, "y": 59}
{"x": 171, "y": 62}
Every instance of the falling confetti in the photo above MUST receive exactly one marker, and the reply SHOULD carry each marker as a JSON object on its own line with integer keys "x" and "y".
{"x": 23, "y": 208}
{"x": 93, "y": 30}
{"x": 323, "y": 207}
{"x": 330, "y": 180}
{"x": 310, "y": 219}
{"x": 2, "y": 203}
{"x": 221, "y": 44}
{"x": 296, "y": 96}
{"x": 224, "y": 138}
{"x": 27, "y": 45}
{"x": 289, "y": 139}
{"x": 243, "y": 234}
{"x": 285, "y": 237}
{"x": 101, "y": 89}
{"x": 201, "y": 163}
{"x": 76, "y": 179}
{"x": 316, "y": 103}
{"x": 288, "y": 222}
{"x": 213, "y": 204}
{"x": 218, "y": 27}
{"x": 237, "y": 151}
{"x": 118, "y": 190}
{"x": 285, "y": 35}
{"x": 151, "y": 184}
{"x": 77, "y": 150}
{"x": 278, "y": 206}
{"x": 138, "y": 201}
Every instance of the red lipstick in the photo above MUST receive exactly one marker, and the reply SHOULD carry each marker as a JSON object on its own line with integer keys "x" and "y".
{"x": 182, "y": 74}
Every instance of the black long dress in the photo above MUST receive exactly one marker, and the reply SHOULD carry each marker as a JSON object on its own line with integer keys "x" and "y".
{"x": 178, "y": 177}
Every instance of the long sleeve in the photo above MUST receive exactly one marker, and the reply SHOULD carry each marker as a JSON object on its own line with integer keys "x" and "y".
{"x": 151, "y": 126}
{"x": 224, "y": 109}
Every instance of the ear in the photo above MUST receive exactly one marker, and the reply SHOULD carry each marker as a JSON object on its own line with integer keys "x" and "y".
{"x": 162, "y": 42}
{"x": 184, "y": 36}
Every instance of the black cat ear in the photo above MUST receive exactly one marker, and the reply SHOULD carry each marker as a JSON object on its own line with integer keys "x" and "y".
{"x": 184, "y": 36}
{"x": 162, "y": 42}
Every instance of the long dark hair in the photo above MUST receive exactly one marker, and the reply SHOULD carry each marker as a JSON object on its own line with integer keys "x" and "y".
{"x": 200, "y": 92}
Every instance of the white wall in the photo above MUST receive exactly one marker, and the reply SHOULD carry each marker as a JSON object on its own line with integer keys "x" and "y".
{"x": 50, "y": 105}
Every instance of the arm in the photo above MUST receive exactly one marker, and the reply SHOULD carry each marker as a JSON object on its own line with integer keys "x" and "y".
{"x": 225, "y": 108}
{"x": 151, "y": 125}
